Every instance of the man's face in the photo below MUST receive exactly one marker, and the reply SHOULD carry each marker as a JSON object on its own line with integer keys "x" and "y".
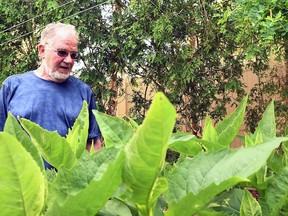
{"x": 57, "y": 68}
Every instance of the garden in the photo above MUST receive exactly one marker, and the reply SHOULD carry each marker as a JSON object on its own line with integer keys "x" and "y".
{"x": 184, "y": 62}
{"x": 130, "y": 176}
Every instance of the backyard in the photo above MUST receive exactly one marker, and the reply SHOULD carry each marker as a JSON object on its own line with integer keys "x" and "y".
{"x": 191, "y": 103}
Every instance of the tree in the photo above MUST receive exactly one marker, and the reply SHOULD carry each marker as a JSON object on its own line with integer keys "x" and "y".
{"x": 176, "y": 47}
{"x": 262, "y": 32}
{"x": 16, "y": 55}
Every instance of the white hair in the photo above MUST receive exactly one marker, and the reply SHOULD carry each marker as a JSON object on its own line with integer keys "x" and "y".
{"x": 51, "y": 29}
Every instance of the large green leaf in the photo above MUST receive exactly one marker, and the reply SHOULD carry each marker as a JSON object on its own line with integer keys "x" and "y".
{"x": 146, "y": 151}
{"x": 54, "y": 148}
{"x": 267, "y": 125}
{"x": 265, "y": 130}
{"x": 185, "y": 143}
{"x": 276, "y": 194}
{"x": 195, "y": 181}
{"x": 22, "y": 183}
{"x": 228, "y": 129}
{"x": 78, "y": 135}
{"x": 86, "y": 187}
{"x": 115, "y": 131}
{"x": 13, "y": 127}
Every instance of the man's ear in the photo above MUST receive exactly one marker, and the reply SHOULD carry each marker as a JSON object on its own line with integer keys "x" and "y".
{"x": 41, "y": 51}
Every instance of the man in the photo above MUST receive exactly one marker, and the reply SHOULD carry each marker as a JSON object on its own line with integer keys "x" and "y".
{"x": 49, "y": 96}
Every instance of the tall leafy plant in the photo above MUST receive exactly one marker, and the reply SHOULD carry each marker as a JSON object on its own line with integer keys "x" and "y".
{"x": 129, "y": 175}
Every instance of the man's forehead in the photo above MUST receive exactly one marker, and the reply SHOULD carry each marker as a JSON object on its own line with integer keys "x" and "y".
{"x": 62, "y": 38}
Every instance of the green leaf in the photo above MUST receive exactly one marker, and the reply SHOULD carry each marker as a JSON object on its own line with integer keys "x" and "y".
{"x": 228, "y": 202}
{"x": 86, "y": 187}
{"x": 210, "y": 136}
{"x": 77, "y": 136}
{"x": 185, "y": 143}
{"x": 248, "y": 141}
{"x": 195, "y": 181}
{"x": 13, "y": 127}
{"x": 115, "y": 131}
{"x": 133, "y": 123}
{"x": 267, "y": 126}
{"x": 277, "y": 162}
{"x": 209, "y": 131}
{"x": 276, "y": 194}
{"x": 146, "y": 152}
{"x": 249, "y": 205}
{"x": 261, "y": 175}
{"x": 207, "y": 145}
{"x": 160, "y": 185}
{"x": 228, "y": 129}
{"x": 22, "y": 183}
{"x": 54, "y": 148}
{"x": 115, "y": 207}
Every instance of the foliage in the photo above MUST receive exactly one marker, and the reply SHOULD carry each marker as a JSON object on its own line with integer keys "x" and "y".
{"x": 17, "y": 55}
{"x": 262, "y": 26}
{"x": 156, "y": 45}
{"x": 261, "y": 34}
{"x": 129, "y": 176}
{"x": 176, "y": 47}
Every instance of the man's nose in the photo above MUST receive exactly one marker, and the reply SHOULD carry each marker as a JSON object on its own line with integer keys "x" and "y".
{"x": 68, "y": 59}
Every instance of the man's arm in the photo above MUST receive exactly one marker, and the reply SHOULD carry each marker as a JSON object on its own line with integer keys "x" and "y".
{"x": 4, "y": 94}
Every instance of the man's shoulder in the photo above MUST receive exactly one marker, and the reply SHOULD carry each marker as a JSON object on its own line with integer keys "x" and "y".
{"x": 17, "y": 77}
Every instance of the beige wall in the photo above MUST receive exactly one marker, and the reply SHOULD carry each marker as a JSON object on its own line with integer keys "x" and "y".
{"x": 250, "y": 79}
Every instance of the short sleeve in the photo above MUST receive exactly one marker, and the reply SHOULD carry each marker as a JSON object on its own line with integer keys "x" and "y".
{"x": 94, "y": 131}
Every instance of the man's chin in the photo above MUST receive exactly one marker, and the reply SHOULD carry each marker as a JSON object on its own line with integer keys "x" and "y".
{"x": 59, "y": 77}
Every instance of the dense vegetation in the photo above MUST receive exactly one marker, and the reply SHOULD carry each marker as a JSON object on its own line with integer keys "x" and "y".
{"x": 129, "y": 176}
{"x": 199, "y": 48}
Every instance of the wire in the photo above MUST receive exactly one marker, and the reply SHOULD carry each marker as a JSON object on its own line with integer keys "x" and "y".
{"x": 87, "y": 9}
{"x": 17, "y": 38}
{"x": 34, "y": 17}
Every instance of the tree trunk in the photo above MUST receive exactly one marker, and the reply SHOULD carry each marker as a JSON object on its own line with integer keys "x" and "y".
{"x": 113, "y": 101}
{"x": 286, "y": 60}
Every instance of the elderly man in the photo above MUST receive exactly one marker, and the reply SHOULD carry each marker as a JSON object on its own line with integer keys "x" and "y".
{"x": 49, "y": 95}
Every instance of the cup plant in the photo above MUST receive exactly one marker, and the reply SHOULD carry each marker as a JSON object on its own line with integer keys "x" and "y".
{"x": 129, "y": 175}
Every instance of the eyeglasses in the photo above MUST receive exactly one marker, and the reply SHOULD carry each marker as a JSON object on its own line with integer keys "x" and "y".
{"x": 64, "y": 53}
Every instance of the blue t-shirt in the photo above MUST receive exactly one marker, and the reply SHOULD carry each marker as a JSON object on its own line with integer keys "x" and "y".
{"x": 54, "y": 106}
